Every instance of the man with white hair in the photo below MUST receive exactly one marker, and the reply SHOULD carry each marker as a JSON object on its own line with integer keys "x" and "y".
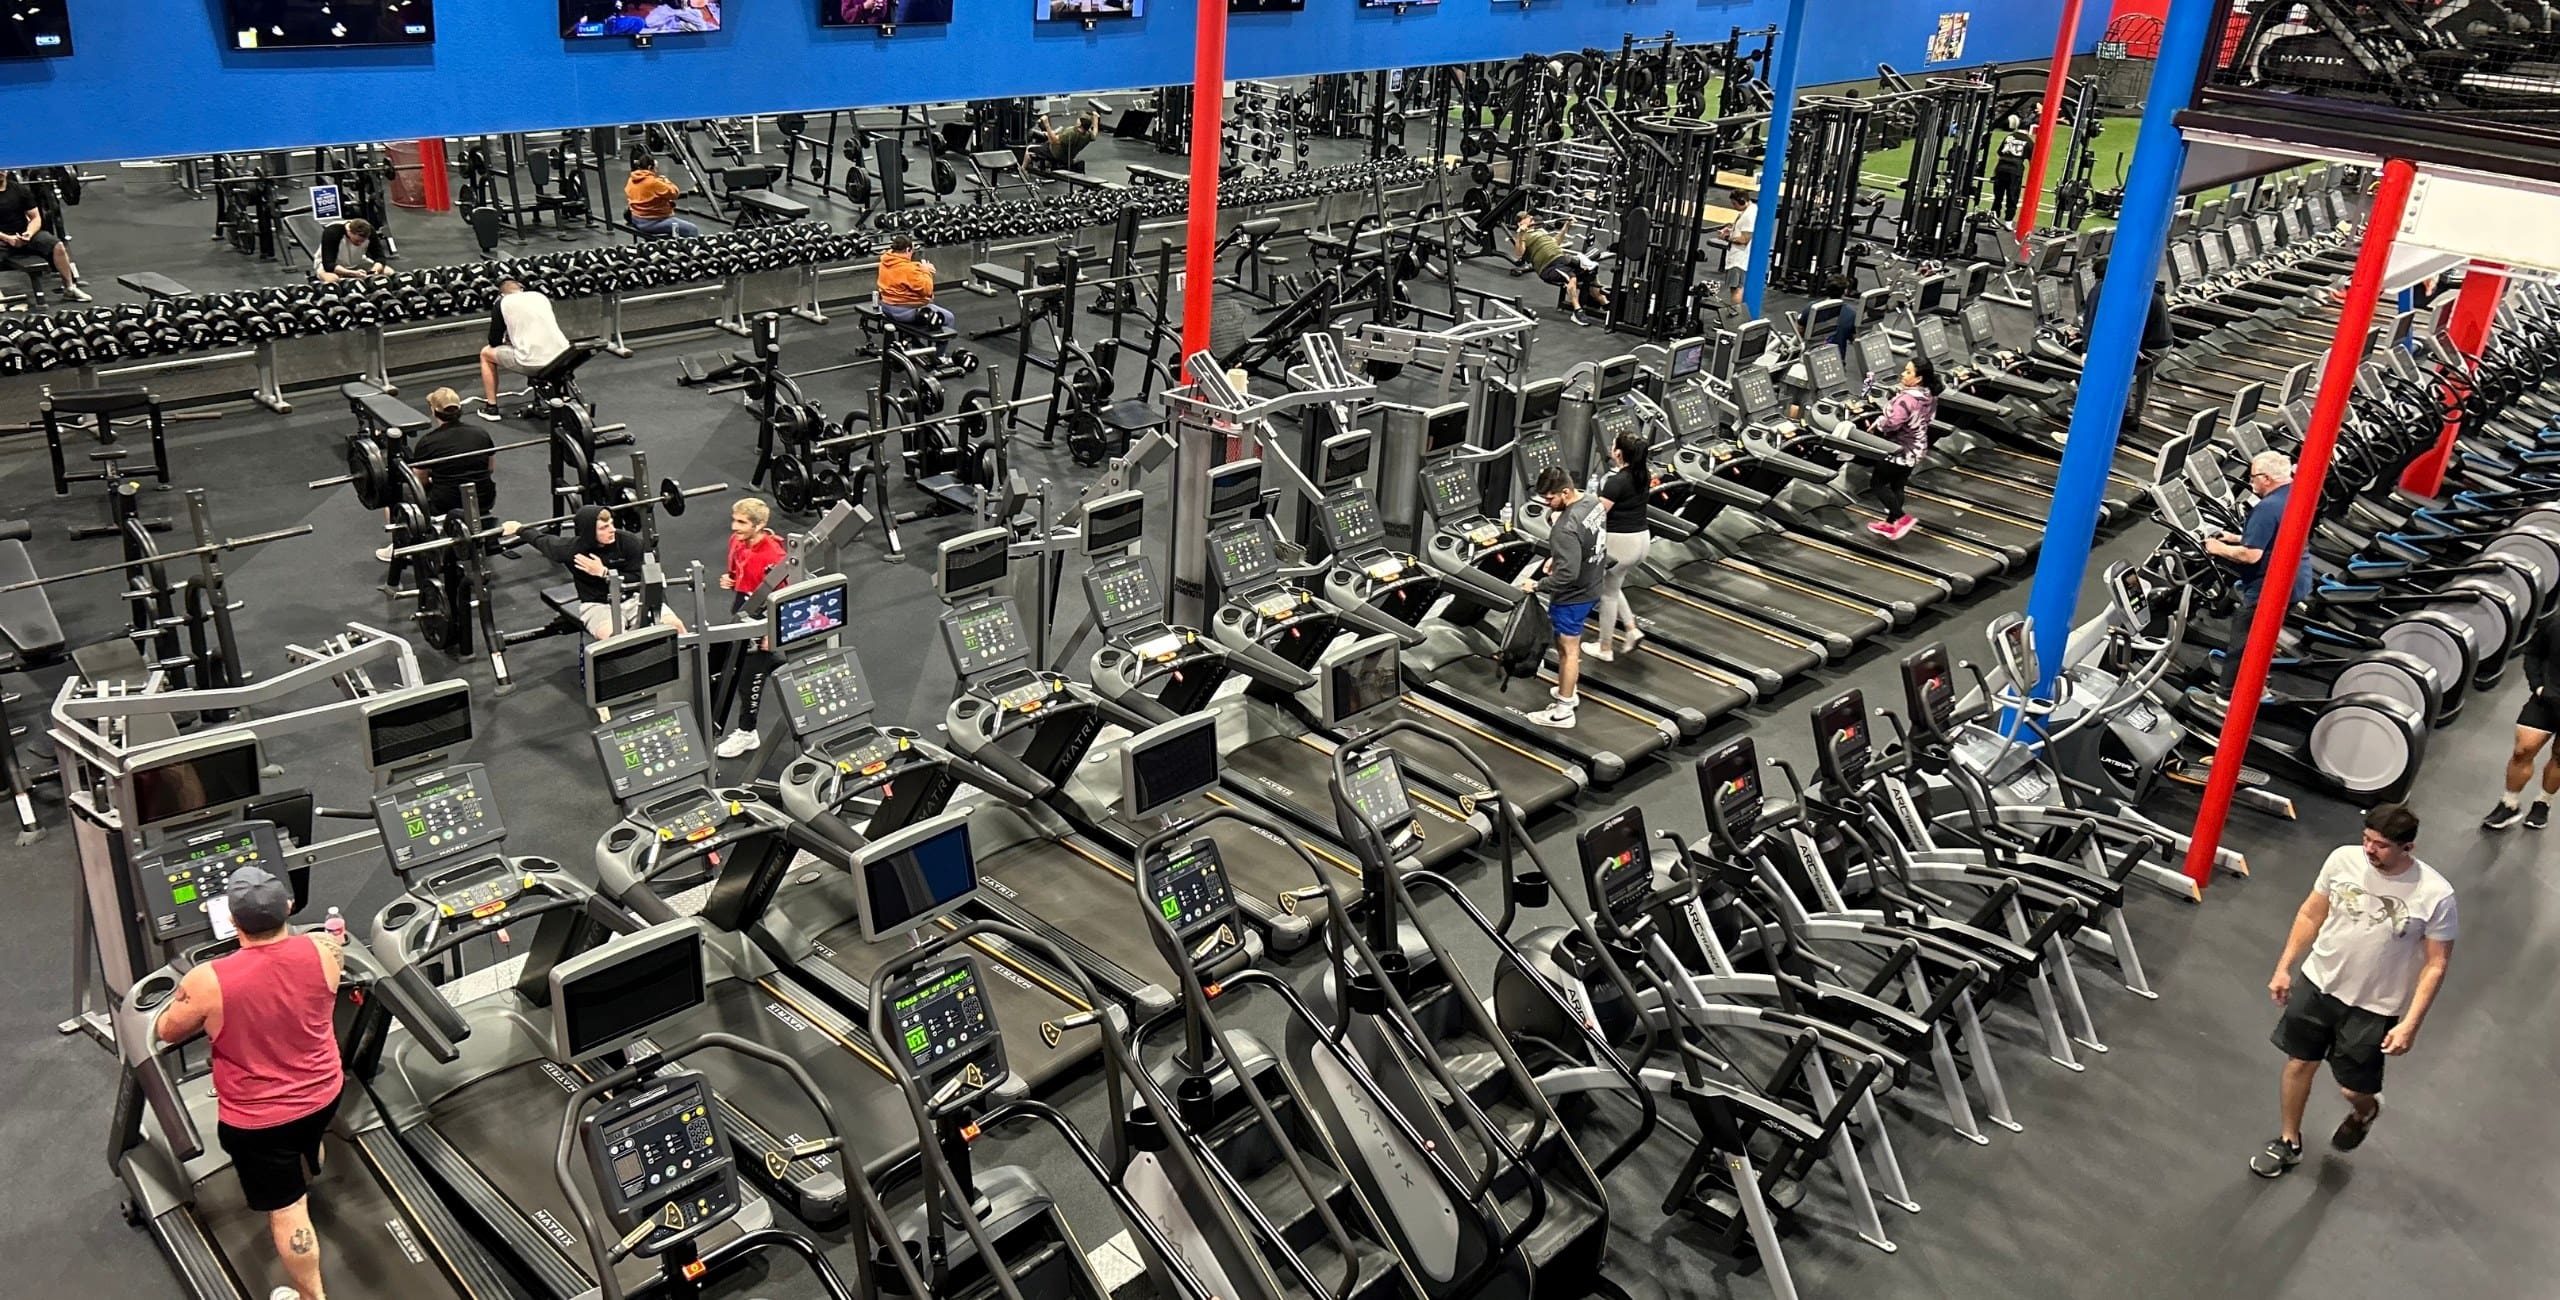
{"x": 2271, "y": 478}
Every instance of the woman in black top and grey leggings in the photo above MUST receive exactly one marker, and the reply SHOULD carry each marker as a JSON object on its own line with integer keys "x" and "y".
{"x": 1627, "y": 488}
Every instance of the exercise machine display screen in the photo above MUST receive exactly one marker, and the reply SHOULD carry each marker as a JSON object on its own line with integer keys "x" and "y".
{"x": 2018, "y": 648}
{"x": 1244, "y": 554}
{"x": 969, "y": 567}
{"x": 273, "y": 25}
{"x": 2050, "y": 304}
{"x": 1823, "y": 368}
{"x": 1123, "y": 591}
{"x": 2178, "y": 507}
{"x": 804, "y": 615}
{"x": 1358, "y": 684}
{"x": 1115, "y": 522}
{"x": 1450, "y": 487}
{"x": 1191, "y": 888}
{"x": 437, "y": 816}
{"x": 1875, "y": 356}
{"x": 1539, "y": 403}
{"x": 647, "y": 980}
{"x": 1374, "y": 787}
{"x": 633, "y": 666}
{"x": 1169, "y": 764}
{"x": 1617, "y": 868}
{"x": 1929, "y": 688}
{"x": 984, "y": 637}
{"x": 185, "y": 880}
{"x": 1342, "y": 459}
{"x": 823, "y": 690}
{"x": 1688, "y": 359}
{"x": 910, "y": 885}
{"x": 651, "y": 749}
{"x": 180, "y": 788}
{"x": 1538, "y": 453}
{"x": 1443, "y": 429}
{"x": 939, "y": 1018}
{"x": 2183, "y": 265}
{"x": 1977, "y": 324}
{"x": 1729, "y": 783}
{"x": 1841, "y": 729}
{"x": 1617, "y": 378}
{"x": 659, "y": 1161}
{"x": 1351, "y": 520}
{"x": 1235, "y": 489}
{"x": 1934, "y": 341}
{"x": 1754, "y": 392}
{"x": 438, "y": 723}
{"x": 2217, "y": 257}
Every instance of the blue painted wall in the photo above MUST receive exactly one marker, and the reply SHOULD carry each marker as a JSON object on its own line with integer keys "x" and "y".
{"x": 152, "y": 77}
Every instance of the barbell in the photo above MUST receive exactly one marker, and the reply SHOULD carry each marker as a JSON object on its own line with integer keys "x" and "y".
{"x": 163, "y": 557}
{"x": 369, "y": 468}
{"x": 671, "y": 498}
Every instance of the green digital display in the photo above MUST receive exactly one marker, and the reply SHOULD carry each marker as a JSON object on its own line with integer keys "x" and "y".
{"x": 183, "y": 894}
{"x": 916, "y": 1039}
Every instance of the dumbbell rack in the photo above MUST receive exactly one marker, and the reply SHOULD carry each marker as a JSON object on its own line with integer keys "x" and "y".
{"x": 1581, "y": 180}
{"x": 1261, "y": 127}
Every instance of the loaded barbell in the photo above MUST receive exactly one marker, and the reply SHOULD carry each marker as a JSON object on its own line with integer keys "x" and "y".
{"x": 370, "y": 470}
{"x": 671, "y": 498}
{"x": 163, "y": 557}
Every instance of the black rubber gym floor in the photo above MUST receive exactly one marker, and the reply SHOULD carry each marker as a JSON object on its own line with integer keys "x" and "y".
{"x": 2128, "y": 1181}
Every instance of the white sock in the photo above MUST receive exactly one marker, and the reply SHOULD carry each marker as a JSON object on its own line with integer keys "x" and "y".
{"x": 2508, "y": 800}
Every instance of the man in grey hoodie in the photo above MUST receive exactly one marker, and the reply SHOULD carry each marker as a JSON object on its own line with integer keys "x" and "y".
{"x": 1576, "y": 559}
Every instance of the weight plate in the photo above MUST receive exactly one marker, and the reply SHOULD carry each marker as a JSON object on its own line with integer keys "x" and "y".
{"x": 371, "y": 470}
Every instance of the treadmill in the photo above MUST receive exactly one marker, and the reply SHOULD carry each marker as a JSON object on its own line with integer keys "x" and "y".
{"x": 388, "y": 1233}
{"x": 2034, "y": 453}
{"x": 1030, "y": 728}
{"x": 1763, "y": 653}
{"x": 2015, "y": 536}
{"x": 1479, "y": 559}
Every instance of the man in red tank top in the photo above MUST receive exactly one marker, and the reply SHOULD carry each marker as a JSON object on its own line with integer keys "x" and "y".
{"x": 269, "y": 1010}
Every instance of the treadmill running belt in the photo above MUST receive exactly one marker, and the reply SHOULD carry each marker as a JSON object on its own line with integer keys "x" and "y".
{"x": 1601, "y": 726}
{"x": 375, "y": 1246}
{"x": 1828, "y": 566}
{"x": 1018, "y": 998}
{"x": 1653, "y": 674}
{"x": 506, "y": 1125}
{"x": 2001, "y": 488}
{"x": 1705, "y": 629}
{"x": 1530, "y": 781}
{"x": 1081, "y": 895}
{"x": 1295, "y": 776}
{"x": 1790, "y": 603}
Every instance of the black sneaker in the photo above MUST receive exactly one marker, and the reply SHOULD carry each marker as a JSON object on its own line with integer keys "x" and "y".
{"x": 2279, "y": 1156}
{"x": 2539, "y": 818}
{"x": 2504, "y": 816}
{"x": 2352, "y": 1129}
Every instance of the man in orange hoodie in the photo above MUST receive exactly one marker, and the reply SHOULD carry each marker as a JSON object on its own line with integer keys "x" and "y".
{"x": 906, "y": 292}
{"x": 653, "y": 201}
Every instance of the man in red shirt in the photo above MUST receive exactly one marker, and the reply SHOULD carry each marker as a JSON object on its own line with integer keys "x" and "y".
{"x": 753, "y": 551}
{"x": 269, "y": 1011}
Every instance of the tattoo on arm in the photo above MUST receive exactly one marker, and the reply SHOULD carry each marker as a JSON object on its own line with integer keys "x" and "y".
{"x": 301, "y": 1242}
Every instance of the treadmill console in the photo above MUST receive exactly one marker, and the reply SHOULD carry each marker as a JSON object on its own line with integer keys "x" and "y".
{"x": 823, "y": 690}
{"x": 658, "y": 1159}
{"x": 984, "y": 636}
{"x": 184, "y": 880}
{"x": 939, "y": 1018}
{"x": 437, "y": 815}
{"x": 475, "y": 890}
{"x": 1352, "y": 527}
{"x": 1121, "y": 590}
{"x": 1193, "y": 894}
{"x": 649, "y": 749}
{"x": 1616, "y": 869}
{"x": 1755, "y": 394}
{"x": 1691, "y": 408}
{"x": 1244, "y": 557}
{"x": 1537, "y": 452}
{"x": 1374, "y": 791}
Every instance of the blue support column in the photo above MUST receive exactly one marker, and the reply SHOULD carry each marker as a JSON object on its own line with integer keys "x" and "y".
{"x": 1773, "y": 167}
{"x": 2115, "y": 334}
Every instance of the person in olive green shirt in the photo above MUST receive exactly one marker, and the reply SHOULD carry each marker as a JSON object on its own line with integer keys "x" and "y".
{"x": 1543, "y": 252}
{"x": 1057, "y": 150}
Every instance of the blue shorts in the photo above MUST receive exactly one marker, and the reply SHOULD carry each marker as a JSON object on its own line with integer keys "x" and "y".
{"x": 1570, "y": 620}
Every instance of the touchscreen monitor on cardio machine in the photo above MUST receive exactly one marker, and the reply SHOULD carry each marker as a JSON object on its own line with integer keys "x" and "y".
{"x": 1617, "y": 868}
{"x": 633, "y": 666}
{"x": 196, "y": 779}
{"x": 806, "y": 612}
{"x": 1189, "y": 887}
{"x": 437, "y": 816}
{"x": 1375, "y": 790}
{"x": 940, "y": 1021}
{"x": 605, "y": 999}
{"x": 1113, "y": 524}
{"x": 972, "y": 564}
{"x": 1359, "y": 680}
{"x": 1929, "y": 687}
{"x": 915, "y": 875}
{"x": 1165, "y": 765}
{"x": 1235, "y": 489}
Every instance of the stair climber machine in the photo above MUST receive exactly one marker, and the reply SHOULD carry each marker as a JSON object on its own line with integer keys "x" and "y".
{"x": 1761, "y": 652}
{"x": 805, "y": 938}
{"x": 2362, "y": 746}
{"x": 1170, "y": 677}
{"x": 471, "y": 1121}
{"x": 1479, "y": 559}
{"x": 1739, "y": 556}
{"x": 1889, "y": 953}
{"x": 1529, "y": 1215}
{"x": 1245, "y": 1116}
{"x": 996, "y": 1231}
{"x": 1030, "y": 728}
{"x": 1799, "y": 470}
{"x": 1261, "y": 607}
{"x": 645, "y": 1150}
{"x": 1747, "y": 1179}
{"x": 389, "y": 1234}
{"x": 1393, "y": 593}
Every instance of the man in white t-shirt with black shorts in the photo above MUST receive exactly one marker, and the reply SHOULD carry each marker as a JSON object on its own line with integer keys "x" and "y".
{"x": 524, "y": 338}
{"x": 2379, "y": 925}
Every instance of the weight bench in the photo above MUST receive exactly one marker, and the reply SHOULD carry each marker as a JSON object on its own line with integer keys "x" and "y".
{"x": 378, "y": 412}
{"x": 761, "y": 207}
{"x": 876, "y": 325}
{"x": 558, "y": 381}
{"x": 30, "y": 266}
{"x": 154, "y": 286}
{"x": 1142, "y": 174}
{"x": 30, "y": 637}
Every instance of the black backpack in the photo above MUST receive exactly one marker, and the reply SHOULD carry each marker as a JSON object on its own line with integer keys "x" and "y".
{"x": 1525, "y": 639}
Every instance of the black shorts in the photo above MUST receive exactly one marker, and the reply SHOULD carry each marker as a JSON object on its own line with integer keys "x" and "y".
{"x": 276, "y": 1165}
{"x": 1557, "y": 272}
{"x": 2316, "y": 1026}
{"x": 41, "y": 244}
{"x": 2541, "y": 713}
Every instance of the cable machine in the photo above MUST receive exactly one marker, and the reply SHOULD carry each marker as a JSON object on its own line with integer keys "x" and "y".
{"x": 1951, "y": 131}
{"x": 1672, "y": 163}
{"x": 1818, "y": 197}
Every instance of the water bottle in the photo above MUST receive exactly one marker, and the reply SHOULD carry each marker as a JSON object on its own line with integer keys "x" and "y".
{"x": 1506, "y": 518}
{"x": 336, "y": 925}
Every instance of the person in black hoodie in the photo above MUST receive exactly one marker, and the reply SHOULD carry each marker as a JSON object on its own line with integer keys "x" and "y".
{"x": 2534, "y": 728}
{"x": 594, "y": 550}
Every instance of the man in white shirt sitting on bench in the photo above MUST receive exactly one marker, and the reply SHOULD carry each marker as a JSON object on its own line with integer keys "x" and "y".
{"x": 523, "y": 339}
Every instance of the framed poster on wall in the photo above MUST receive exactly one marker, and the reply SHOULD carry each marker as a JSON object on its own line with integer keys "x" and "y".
{"x": 1946, "y": 45}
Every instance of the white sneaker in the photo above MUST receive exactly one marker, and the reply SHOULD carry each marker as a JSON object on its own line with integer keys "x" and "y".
{"x": 736, "y": 743}
{"x": 1559, "y": 715}
{"x": 76, "y": 294}
{"x": 493, "y": 415}
{"x": 284, "y": 1293}
{"x": 1631, "y": 640}
{"x": 1594, "y": 650}
{"x": 382, "y": 553}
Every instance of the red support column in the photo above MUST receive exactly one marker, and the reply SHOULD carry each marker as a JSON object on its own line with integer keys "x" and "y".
{"x": 2047, "y": 121}
{"x": 2473, "y": 311}
{"x": 2328, "y": 411}
{"x": 1199, "y": 252}
{"x": 433, "y": 177}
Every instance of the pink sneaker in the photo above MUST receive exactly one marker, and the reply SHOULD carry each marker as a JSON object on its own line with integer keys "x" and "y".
{"x": 1902, "y": 527}
{"x": 1881, "y": 528}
